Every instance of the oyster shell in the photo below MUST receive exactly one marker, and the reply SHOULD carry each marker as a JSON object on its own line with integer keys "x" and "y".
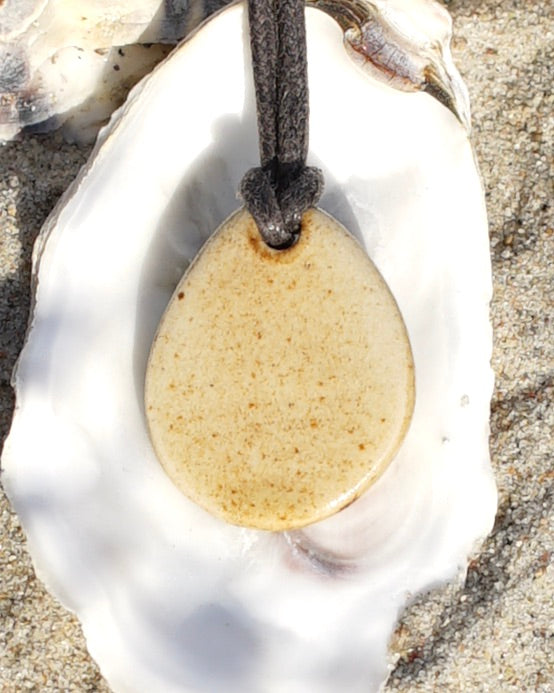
{"x": 172, "y": 599}
{"x": 73, "y": 63}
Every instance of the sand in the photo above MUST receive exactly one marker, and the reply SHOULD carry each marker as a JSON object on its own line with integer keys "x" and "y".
{"x": 494, "y": 631}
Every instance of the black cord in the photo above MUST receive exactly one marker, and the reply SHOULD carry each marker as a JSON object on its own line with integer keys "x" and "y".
{"x": 278, "y": 192}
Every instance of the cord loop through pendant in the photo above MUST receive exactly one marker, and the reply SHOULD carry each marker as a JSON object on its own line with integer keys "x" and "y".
{"x": 279, "y": 191}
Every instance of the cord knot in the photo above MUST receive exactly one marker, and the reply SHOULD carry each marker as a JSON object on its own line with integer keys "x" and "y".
{"x": 278, "y": 192}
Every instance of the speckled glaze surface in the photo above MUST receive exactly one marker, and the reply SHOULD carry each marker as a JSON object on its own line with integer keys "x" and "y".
{"x": 307, "y": 385}
{"x": 506, "y": 581}
{"x": 69, "y": 65}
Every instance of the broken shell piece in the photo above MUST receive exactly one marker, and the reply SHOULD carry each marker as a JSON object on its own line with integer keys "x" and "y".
{"x": 307, "y": 387}
{"x": 73, "y": 89}
{"x": 71, "y": 64}
{"x": 171, "y": 598}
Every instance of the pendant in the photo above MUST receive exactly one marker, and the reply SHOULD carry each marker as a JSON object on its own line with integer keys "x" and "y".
{"x": 306, "y": 387}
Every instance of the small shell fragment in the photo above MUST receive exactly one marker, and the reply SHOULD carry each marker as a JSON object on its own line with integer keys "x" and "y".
{"x": 306, "y": 386}
{"x": 71, "y": 64}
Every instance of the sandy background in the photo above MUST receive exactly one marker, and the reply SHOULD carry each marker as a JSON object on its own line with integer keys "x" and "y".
{"x": 493, "y": 633}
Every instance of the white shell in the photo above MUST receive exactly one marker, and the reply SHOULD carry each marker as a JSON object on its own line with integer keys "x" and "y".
{"x": 171, "y": 599}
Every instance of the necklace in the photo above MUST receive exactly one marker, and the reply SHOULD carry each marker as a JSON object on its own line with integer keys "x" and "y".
{"x": 308, "y": 387}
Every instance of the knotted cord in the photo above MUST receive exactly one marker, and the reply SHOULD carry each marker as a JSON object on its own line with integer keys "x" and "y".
{"x": 282, "y": 188}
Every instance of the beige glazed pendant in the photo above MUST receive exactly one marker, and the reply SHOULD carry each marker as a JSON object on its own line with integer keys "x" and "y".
{"x": 280, "y": 383}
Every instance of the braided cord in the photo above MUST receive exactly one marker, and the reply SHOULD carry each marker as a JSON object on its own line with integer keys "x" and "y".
{"x": 282, "y": 188}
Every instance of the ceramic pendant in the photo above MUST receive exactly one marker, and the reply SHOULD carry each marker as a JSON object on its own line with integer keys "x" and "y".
{"x": 306, "y": 386}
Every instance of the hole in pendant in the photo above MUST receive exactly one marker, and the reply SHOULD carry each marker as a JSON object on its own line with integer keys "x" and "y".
{"x": 289, "y": 243}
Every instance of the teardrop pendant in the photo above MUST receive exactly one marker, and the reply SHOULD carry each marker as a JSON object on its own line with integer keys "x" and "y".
{"x": 280, "y": 383}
